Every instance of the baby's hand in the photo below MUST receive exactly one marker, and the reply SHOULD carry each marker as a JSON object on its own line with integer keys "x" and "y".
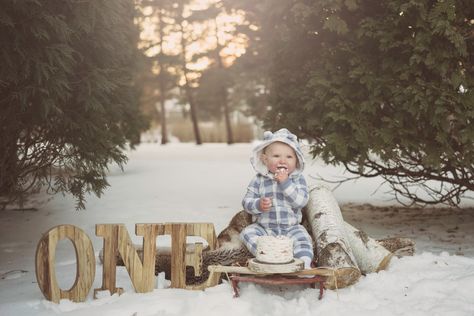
{"x": 265, "y": 204}
{"x": 281, "y": 175}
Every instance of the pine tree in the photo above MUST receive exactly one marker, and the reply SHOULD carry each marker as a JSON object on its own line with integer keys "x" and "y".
{"x": 67, "y": 98}
{"x": 383, "y": 87}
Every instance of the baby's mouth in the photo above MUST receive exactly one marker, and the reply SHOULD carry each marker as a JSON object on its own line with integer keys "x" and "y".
{"x": 280, "y": 168}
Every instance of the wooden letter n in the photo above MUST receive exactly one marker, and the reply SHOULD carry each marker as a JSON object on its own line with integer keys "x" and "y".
{"x": 117, "y": 240}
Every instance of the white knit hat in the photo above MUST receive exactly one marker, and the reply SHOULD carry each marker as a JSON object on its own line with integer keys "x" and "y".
{"x": 283, "y": 135}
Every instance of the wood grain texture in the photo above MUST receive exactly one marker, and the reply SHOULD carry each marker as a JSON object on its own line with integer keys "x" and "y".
{"x": 45, "y": 264}
{"x": 180, "y": 258}
{"x": 140, "y": 268}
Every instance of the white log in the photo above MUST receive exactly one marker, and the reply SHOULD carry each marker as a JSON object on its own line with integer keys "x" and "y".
{"x": 369, "y": 254}
{"x": 332, "y": 244}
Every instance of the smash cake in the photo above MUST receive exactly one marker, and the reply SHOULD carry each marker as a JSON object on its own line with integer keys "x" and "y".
{"x": 274, "y": 249}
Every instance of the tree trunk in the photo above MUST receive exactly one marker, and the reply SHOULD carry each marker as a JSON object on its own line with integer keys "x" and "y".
{"x": 188, "y": 88}
{"x": 162, "y": 84}
{"x": 332, "y": 244}
{"x": 223, "y": 88}
{"x": 164, "y": 131}
{"x": 194, "y": 119}
{"x": 225, "y": 104}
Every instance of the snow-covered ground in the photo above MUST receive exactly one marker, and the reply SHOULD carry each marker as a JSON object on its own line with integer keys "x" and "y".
{"x": 188, "y": 183}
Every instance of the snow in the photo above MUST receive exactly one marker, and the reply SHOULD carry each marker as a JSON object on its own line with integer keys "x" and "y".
{"x": 188, "y": 183}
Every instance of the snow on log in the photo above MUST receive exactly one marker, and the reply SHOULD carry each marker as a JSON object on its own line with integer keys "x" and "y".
{"x": 328, "y": 229}
{"x": 369, "y": 254}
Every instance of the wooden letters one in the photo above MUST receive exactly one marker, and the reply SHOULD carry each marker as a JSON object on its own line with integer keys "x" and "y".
{"x": 118, "y": 241}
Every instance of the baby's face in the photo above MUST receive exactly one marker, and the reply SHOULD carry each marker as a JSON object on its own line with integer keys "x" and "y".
{"x": 279, "y": 155}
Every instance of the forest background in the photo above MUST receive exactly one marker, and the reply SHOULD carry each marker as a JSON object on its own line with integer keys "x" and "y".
{"x": 383, "y": 88}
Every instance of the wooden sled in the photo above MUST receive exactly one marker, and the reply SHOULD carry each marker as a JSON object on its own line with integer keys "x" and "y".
{"x": 244, "y": 274}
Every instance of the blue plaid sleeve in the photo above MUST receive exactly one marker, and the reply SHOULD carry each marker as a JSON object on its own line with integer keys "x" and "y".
{"x": 252, "y": 197}
{"x": 296, "y": 192}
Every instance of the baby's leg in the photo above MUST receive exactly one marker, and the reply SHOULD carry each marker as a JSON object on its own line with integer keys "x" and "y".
{"x": 249, "y": 236}
{"x": 302, "y": 244}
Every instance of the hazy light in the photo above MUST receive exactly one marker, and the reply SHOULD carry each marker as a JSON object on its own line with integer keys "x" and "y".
{"x": 232, "y": 45}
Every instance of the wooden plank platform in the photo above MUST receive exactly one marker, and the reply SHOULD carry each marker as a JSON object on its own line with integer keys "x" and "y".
{"x": 245, "y": 270}
{"x": 244, "y": 274}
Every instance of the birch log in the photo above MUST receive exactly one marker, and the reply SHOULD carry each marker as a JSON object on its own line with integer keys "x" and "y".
{"x": 369, "y": 254}
{"x": 332, "y": 244}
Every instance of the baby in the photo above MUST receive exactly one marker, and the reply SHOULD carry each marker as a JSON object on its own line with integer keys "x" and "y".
{"x": 277, "y": 193}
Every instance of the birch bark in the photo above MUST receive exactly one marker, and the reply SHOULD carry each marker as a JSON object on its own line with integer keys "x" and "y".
{"x": 330, "y": 237}
{"x": 369, "y": 254}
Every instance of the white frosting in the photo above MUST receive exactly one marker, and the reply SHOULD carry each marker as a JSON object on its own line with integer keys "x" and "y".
{"x": 272, "y": 249}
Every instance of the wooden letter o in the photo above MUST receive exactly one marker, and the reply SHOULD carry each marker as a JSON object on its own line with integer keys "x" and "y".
{"x": 45, "y": 260}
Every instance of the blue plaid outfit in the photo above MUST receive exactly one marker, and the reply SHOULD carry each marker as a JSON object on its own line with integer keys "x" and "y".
{"x": 288, "y": 198}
